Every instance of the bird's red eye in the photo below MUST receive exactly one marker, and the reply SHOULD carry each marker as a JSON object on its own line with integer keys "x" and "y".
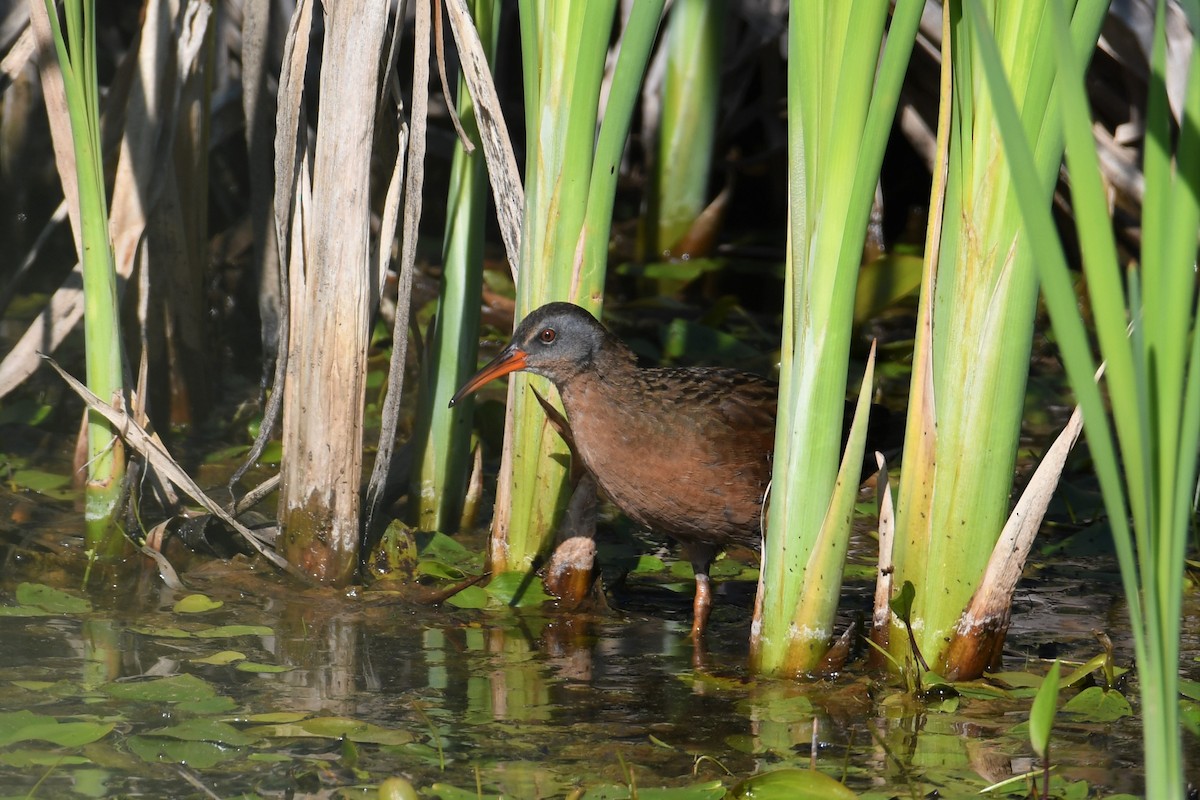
{"x": 547, "y": 335}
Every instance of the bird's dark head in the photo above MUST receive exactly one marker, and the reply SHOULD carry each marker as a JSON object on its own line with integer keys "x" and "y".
{"x": 556, "y": 341}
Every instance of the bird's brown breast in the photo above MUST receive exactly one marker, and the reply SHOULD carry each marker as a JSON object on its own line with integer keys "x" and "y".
{"x": 685, "y": 452}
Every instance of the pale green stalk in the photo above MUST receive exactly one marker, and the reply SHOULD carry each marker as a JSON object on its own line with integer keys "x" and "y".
{"x": 443, "y": 434}
{"x": 623, "y": 94}
{"x": 561, "y": 72}
{"x": 1152, "y": 376}
{"x": 687, "y": 127}
{"x": 563, "y": 53}
{"x": 982, "y": 321}
{"x": 106, "y": 461}
{"x": 839, "y": 117}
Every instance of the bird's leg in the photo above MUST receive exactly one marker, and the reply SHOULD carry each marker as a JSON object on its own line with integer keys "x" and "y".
{"x": 701, "y": 605}
{"x": 701, "y": 556}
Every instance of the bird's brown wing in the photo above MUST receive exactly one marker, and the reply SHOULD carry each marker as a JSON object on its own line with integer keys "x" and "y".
{"x": 734, "y": 410}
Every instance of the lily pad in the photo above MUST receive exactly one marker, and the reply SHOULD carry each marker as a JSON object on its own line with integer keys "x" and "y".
{"x": 36, "y": 480}
{"x": 50, "y": 599}
{"x": 196, "y": 755}
{"x": 444, "y": 791}
{"x": 254, "y": 666}
{"x": 470, "y": 597}
{"x": 517, "y": 589}
{"x": 230, "y": 631}
{"x": 439, "y": 569}
{"x": 277, "y": 717}
{"x": 206, "y": 730}
{"x": 442, "y": 547}
{"x": 26, "y": 726}
{"x": 780, "y": 709}
{"x": 647, "y": 564}
{"x": 34, "y": 686}
{"x": 222, "y": 658}
{"x": 397, "y": 789}
{"x": 790, "y": 784}
{"x": 23, "y": 611}
{"x": 40, "y": 758}
{"x": 712, "y": 790}
{"x": 173, "y": 689}
{"x": 334, "y": 728}
{"x": 196, "y": 604}
{"x": 1099, "y": 705}
{"x": 162, "y": 632}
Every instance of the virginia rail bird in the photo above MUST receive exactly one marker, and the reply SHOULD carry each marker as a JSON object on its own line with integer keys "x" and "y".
{"x": 683, "y": 451}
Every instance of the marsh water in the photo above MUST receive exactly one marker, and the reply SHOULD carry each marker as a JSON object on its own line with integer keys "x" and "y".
{"x": 263, "y": 688}
{"x": 245, "y": 684}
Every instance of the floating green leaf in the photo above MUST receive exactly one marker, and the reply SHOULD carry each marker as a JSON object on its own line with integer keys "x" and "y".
{"x": 221, "y": 658}
{"x": 796, "y": 708}
{"x": 397, "y": 789}
{"x": 36, "y": 480}
{"x": 334, "y": 728}
{"x": 977, "y": 690}
{"x": 470, "y": 597}
{"x": 174, "y": 689}
{"x": 277, "y": 717}
{"x": 162, "y": 632}
{"x": 790, "y": 784}
{"x": 50, "y": 599}
{"x": 269, "y": 758}
{"x": 439, "y": 569}
{"x": 1010, "y": 680}
{"x": 196, "y": 755}
{"x": 710, "y": 790}
{"x": 26, "y": 726}
{"x": 63, "y": 688}
{"x": 230, "y": 631}
{"x": 442, "y": 547}
{"x": 206, "y": 730}
{"x": 34, "y": 686}
{"x": 444, "y": 791}
{"x": 40, "y": 758}
{"x": 648, "y": 564}
{"x": 1099, "y": 705}
{"x": 254, "y": 666}
{"x": 196, "y": 604}
{"x": 517, "y": 589}
{"x": 23, "y": 611}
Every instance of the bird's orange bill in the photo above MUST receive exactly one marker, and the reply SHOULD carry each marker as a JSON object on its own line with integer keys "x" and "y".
{"x": 509, "y": 360}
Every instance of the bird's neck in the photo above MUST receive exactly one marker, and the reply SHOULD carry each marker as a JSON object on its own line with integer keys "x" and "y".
{"x": 611, "y": 365}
